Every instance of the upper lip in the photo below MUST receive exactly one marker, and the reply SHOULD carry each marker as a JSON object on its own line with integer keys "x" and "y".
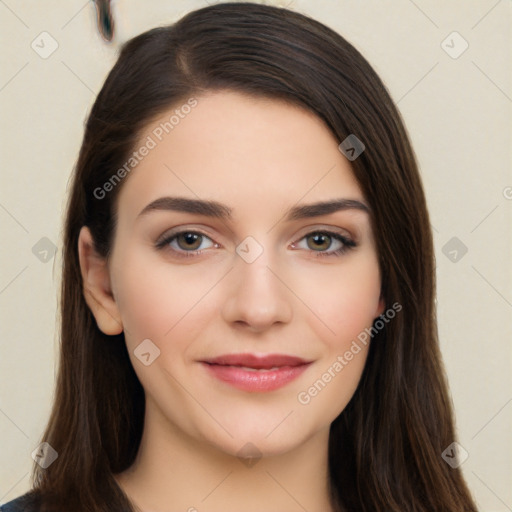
{"x": 264, "y": 361}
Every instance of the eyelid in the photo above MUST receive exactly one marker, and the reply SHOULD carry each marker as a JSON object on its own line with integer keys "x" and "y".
{"x": 183, "y": 229}
{"x": 325, "y": 228}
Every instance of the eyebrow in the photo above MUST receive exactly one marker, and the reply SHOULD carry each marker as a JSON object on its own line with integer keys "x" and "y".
{"x": 221, "y": 211}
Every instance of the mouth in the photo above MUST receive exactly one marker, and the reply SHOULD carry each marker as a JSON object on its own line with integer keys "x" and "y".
{"x": 256, "y": 373}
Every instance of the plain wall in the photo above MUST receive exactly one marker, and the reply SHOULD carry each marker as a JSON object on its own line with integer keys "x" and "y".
{"x": 457, "y": 112}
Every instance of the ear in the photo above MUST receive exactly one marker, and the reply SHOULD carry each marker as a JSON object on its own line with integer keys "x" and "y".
{"x": 381, "y": 307}
{"x": 97, "y": 288}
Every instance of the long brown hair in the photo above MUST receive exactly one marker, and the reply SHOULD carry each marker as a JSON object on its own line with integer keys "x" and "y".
{"x": 385, "y": 447}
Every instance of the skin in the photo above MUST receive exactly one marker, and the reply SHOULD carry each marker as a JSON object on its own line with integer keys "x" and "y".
{"x": 259, "y": 157}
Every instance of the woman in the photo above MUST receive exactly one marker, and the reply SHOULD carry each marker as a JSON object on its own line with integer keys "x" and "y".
{"x": 248, "y": 315}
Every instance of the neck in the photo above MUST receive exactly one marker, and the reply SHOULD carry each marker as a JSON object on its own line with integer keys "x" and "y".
{"x": 174, "y": 471}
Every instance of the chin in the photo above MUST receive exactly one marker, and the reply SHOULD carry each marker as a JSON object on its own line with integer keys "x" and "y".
{"x": 254, "y": 436}
{"x": 253, "y": 447}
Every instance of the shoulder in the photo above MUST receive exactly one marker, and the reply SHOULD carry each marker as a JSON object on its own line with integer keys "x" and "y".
{"x": 25, "y": 503}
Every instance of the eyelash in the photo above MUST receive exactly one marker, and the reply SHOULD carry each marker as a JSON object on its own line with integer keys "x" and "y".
{"x": 348, "y": 244}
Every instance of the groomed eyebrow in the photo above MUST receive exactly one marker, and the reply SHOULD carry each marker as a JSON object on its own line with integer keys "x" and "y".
{"x": 221, "y": 211}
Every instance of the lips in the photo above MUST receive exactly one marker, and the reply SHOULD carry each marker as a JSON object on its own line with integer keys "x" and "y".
{"x": 262, "y": 362}
{"x": 256, "y": 373}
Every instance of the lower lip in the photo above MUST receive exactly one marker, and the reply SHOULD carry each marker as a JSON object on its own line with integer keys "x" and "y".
{"x": 259, "y": 380}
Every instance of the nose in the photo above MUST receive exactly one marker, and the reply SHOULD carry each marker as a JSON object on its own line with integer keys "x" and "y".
{"x": 257, "y": 297}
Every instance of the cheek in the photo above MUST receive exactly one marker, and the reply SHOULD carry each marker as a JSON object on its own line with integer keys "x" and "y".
{"x": 345, "y": 301}
{"x": 146, "y": 310}
{"x": 161, "y": 304}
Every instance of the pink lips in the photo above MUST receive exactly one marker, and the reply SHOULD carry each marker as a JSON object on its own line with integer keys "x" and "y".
{"x": 250, "y": 372}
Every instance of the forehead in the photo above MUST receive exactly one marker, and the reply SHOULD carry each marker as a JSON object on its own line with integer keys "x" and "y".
{"x": 250, "y": 153}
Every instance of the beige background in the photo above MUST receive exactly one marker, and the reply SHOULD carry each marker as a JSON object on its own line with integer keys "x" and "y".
{"x": 458, "y": 113}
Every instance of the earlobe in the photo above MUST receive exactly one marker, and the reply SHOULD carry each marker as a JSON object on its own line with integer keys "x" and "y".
{"x": 97, "y": 288}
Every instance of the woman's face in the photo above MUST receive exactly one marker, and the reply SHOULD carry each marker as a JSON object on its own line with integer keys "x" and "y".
{"x": 259, "y": 273}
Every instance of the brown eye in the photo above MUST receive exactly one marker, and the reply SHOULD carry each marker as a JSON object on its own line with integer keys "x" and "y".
{"x": 325, "y": 243}
{"x": 185, "y": 243}
{"x": 319, "y": 241}
{"x": 189, "y": 241}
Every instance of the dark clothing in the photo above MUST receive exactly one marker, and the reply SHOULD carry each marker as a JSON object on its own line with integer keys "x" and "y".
{"x": 25, "y": 503}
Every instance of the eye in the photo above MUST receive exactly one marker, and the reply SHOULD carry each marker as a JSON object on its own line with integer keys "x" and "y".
{"x": 321, "y": 241}
{"x": 186, "y": 243}
{"x": 192, "y": 243}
